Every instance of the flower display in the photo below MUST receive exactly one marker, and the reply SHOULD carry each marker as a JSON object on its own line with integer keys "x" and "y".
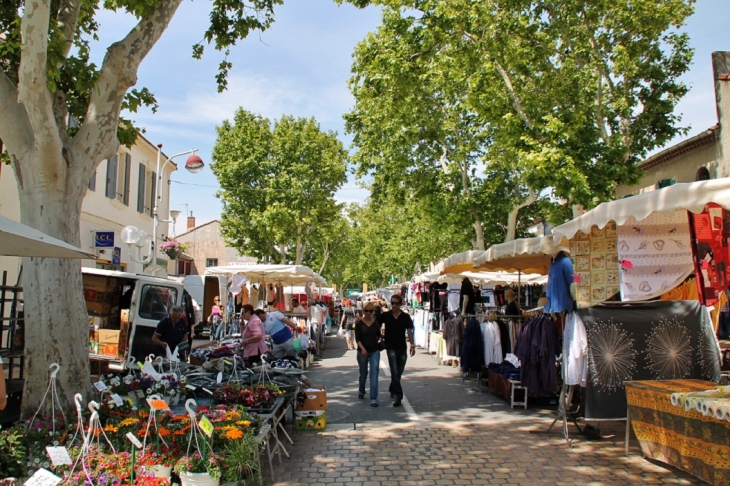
{"x": 251, "y": 396}
{"x": 173, "y": 248}
{"x": 195, "y": 463}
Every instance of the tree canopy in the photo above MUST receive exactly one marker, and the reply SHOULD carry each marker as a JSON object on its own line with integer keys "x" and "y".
{"x": 277, "y": 186}
{"x": 555, "y": 98}
{"x": 60, "y": 117}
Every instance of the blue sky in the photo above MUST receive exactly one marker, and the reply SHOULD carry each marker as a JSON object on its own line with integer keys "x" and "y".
{"x": 300, "y": 67}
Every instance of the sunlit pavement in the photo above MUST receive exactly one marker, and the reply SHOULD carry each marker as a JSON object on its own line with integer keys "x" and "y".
{"x": 452, "y": 434}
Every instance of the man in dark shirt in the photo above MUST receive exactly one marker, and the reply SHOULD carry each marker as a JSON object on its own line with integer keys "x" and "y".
{"x": 396, "y": 324}
{"x": 171, "y": 331}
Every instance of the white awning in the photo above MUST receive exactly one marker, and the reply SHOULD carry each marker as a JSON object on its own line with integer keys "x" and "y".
{"x": 18, "y": 239}
{"x": 283, "y": 274}
{"x": 494, "y": 278}
{"x": 690, "y": 196}
{"x": 528, "y": 255}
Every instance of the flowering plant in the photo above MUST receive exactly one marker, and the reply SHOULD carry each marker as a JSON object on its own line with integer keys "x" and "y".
{"x": 194, "y": 463}
{"x": 258, "y": 396}
{"x": 172, "y": 247}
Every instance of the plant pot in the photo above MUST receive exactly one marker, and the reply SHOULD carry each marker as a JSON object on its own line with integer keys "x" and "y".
{"x": 198, "y": 479}
{"x": 173, "y": 255}
{"x": 158, "y": 470}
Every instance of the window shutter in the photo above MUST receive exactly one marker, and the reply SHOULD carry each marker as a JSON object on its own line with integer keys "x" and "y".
{"x": 127, "y": 170}
{"x": 153, "y": 195}
{"x": 141, "y": 193}
{"x": 111, "y": 177}
{"x": 92, "y": 182}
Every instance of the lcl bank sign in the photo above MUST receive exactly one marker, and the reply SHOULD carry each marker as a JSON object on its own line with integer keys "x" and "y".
{"x": 104, "y": 239}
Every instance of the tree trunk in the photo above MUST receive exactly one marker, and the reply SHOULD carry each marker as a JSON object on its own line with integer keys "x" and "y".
{"x": 56, "y": 320}
{"x": 512, "y": 217}
{"x": 478, "y": 243}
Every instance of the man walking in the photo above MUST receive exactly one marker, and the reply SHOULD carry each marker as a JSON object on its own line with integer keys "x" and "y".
{"x": 172, "y": 331}
{"x": 396, "y": 325}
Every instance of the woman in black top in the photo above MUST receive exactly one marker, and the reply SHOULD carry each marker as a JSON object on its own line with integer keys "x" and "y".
{"x": 367, "y": 334}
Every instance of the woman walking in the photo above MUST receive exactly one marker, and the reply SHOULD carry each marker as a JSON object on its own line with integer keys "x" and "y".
{"x": 347, "y": 324}
{"x": 367, "y": 335}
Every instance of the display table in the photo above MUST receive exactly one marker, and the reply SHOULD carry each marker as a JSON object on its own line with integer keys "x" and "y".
{"x": 688, "y": 440}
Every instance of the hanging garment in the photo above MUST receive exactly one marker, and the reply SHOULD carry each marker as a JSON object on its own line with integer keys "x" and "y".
{"x": 453, "y": 297}
{"x": 492, "y": 342}
{"x": 453, "y": 333}
{"x": 472, "y": 347}
{"x": 559, "y": 280}
{"x": 537, "y": 347}
{"x": 575, "y": 351}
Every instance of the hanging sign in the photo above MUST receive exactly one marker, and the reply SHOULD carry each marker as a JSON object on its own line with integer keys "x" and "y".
{"x": 43, "y": 477}
{"x": 104, "y": 239}
{"x": 59, "y": 456}
{"x": 117, "y": 256}
{"x": 134, "y": 440}
{"x": 206, "y": 426}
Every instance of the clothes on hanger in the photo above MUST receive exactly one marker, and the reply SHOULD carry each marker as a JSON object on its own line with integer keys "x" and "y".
{"x": 537, "y": 346}
{"x": 453, "y": 333}
{"x": 472, "y": 347}
{"x": 492, "y": 342}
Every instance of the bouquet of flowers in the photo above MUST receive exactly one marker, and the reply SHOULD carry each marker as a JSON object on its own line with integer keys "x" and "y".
{"x": 173, "y": 248}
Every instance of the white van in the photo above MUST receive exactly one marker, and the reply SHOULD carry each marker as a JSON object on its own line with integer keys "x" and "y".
{"x": 126, "y": 308}
{"x": 203, "y": 289}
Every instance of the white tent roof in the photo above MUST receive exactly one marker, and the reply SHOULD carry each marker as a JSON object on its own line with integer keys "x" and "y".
{"x": 494, "y": 278}
{"x": 529, "y": 255}
{"x": 17, "y": 239}
{"x": 283, "y": 274}
{"x": 691, "y": 196}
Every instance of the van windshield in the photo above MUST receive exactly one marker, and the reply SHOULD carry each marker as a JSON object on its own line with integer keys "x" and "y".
{"x": 156, "y": 301}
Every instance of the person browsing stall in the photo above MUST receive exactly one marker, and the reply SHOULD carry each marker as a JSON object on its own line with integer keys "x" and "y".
{"x": 280, "y": 328}
{"x": 397, "y": 325}
{"x": 367, "y": 336}
{"x": 171, "y": 331}
{"x": 296, "y": 307}
{"x": 252, "y": 338}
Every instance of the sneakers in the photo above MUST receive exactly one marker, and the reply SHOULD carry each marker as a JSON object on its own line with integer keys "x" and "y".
{"x": 373, "y": 404}
{"x": 396, "y": 403}
{"x": 360, "y": 396}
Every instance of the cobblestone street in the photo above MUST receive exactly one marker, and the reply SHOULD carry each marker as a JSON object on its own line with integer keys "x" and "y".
{"x": 460, "y": 436}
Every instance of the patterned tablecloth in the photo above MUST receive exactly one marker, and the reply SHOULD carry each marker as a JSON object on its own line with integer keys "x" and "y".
{"x": 688, "y": 440}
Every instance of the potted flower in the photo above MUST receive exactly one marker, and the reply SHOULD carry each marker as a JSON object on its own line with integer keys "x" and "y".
{"x": 157, "y": 464}
{"x": 173, "y": 249}
{"x": 194, "y": 470}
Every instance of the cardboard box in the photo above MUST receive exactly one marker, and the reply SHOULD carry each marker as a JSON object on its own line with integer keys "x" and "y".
{"x": 310, "y": 420}
{"x": 95, "y": 308}
{"x": 316, "y": 399}
{"x": 108, "y": 337}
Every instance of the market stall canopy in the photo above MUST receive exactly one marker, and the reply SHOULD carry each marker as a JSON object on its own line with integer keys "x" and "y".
{"x": 281, "y": 274}
{"x": 527, "y": 255}
{"x": 494, "y": 278}
{"x": 17, "y": 239}
{"x": 458, "y": 262}
{"x": 690, "y": 196}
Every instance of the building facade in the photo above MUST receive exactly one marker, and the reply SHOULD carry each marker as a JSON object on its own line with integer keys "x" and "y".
{"x": 121, "y": 192}
{"x": 703, "y": 156}
{"x": 206, "y": 248}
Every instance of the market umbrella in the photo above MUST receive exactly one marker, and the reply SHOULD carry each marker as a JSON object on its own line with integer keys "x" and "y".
{"x": 17, "y": 239}
{"x": 283, "y": 274}
{"x": 530, "y": 255}
{"x": 691, "y": 196}
{"x": 458, "y": 262}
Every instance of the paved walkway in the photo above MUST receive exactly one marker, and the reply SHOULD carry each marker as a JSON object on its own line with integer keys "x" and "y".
{"x": 451, "y": 435}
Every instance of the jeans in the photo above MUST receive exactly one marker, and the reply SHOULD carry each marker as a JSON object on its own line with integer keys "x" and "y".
{"x": 374, "y": 360}
{"x": 397, "y": 362}
{"x": 216, "y": 329}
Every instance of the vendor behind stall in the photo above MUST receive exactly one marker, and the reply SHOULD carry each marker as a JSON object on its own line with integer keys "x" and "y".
{"x": 279, "y": 328}
{"x": 171, "y": 331}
